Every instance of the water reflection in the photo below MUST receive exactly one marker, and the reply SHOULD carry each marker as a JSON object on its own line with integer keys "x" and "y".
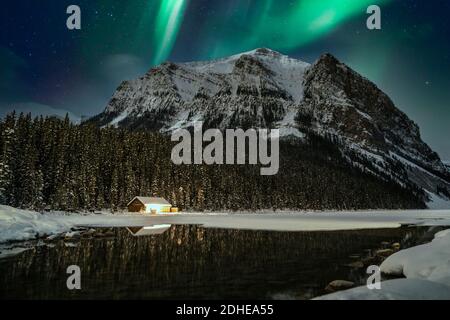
{"x": 148, "y": 230}
{"x": 194, "y": 262}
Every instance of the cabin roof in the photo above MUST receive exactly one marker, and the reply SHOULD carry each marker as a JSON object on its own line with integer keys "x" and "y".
{"x": 150, "y": 200}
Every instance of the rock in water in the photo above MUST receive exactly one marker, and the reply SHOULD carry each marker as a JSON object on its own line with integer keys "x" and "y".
{"x": 338, "y": 285}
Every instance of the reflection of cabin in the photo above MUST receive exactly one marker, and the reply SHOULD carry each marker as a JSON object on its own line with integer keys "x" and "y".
{"x": 152, "y": 205}
{"x": 148, "y": 231}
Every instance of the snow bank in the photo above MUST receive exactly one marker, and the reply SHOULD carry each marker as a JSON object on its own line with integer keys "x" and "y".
{"x": 399, "y": 289}
{"x": 426, "y": 268}
{"x": 16, "y": 224}
{"x": 429, "y": 261}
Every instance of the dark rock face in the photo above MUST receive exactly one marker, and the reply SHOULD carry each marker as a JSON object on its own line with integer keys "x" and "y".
{"x": 344, "y": 103}
{"x": 264, "y": 88}
{"x": 358, "y": 109}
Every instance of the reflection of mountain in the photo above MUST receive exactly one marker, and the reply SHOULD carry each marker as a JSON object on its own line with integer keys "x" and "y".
{"x": 193, "y": 262}
{"x": 263, "y": 88}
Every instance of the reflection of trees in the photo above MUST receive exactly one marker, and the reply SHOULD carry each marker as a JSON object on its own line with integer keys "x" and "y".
{"x": 190, "y": 261}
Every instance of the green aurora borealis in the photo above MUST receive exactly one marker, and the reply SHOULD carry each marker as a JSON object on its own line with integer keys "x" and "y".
{"x": 168, "y": 21}
{"x": 272, "y": 23}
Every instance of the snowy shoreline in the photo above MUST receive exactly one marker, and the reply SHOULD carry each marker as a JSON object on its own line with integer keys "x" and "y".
{"x": 426, "y": 267}
{"x": 19, "y": 225}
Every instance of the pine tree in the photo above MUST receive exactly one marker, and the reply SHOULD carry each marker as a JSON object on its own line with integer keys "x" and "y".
{"x": 114, "y": 194}
{"x": 7, "y": 139}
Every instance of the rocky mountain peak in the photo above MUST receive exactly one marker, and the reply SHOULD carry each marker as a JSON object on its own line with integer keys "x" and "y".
{"x": 249, "y": 64}
{"x": 267, "y": 51}
{"x": 264, "y": 88}
{"x": 327, "y": 59}
{"x": 358, "y": 109}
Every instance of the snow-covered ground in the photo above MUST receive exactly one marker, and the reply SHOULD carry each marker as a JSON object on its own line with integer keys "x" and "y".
{"x": 16, "y": 224}
{"x": 398, "y": 289}
{"x": 429, "y": 261}
{"x": 426, "y": 267}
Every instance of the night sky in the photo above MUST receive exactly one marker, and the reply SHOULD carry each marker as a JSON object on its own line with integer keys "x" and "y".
{"x": 45, "y": 65}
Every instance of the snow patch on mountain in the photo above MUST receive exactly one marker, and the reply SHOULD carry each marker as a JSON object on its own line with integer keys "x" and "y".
{"x": 436, "y": 202}
{"x": 116, "y": 120}
{"x": 287, "y": 72}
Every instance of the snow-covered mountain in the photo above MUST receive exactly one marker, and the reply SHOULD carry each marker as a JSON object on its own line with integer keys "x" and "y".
{"x": 263, "y": 88}
{"x": 257, "y": 88}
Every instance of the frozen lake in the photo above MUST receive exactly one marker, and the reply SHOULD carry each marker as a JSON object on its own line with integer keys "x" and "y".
{"x": 280, "y": 221}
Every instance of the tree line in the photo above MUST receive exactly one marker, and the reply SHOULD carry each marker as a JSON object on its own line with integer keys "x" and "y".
{"x": 51, "y": 163}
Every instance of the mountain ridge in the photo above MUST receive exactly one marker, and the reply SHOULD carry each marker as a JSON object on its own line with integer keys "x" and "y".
{"x": 264, "y": 88}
